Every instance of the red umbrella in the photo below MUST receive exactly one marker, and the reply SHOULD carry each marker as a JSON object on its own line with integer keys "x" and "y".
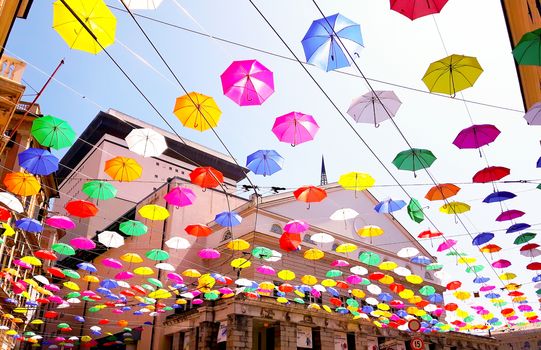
{"x": 55, "y": 271}
{"x": 535, "y": 266}
{"x": 342, "y": 285}
{"x": 81, "y": 208}
{"x": 422, "y": 304}
{"x": 441, "y": 192}
{"x": 198, "y": 230}
{"x": 139, "y": 289}
{"x": 396, "y": 287}
{"x": 4, "y": 214}
{"x": 290, "y": 241}
{"x": 376, "y": 276}
{"x": 453, "y": 285}
{"x": 45, "y": 255}
{"x": 492, "y": 173}
{"x": 335, "y": 301}
{"x": 429, "y": 234}
{"x": 310, "y": 194}
{"x": 286, "y": 288}
{"x": 414, "y": 9}
{"x": 529, "y": 246}
{"x": 206, "y": 177}
{"x": 451, "y": 307}
{"x": 50, "y": 314}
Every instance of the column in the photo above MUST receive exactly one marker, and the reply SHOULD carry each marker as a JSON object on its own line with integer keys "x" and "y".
{"x": 327, "y": 338}
{"x": 239, "y": 332}
{"x": 288, "y": 336}
{"x": 208, "y": 335}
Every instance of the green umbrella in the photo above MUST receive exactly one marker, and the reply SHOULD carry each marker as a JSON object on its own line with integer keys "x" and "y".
{"x": 528, "y": 49}
{"x": 94, "y": 309}
{"x": 298, "y": 301}
{"x": 469, "y": 318}
{"x": 538, "y": 291}
{"x": 475, "y": 268}
{"x": 29, "y": 334}
{"x": 500, "y": 303}
{"x": 352, "y": 302}
{"x": 52, "y": 132}
{"x": 414, "y": 159}
{"x": 426, "y": 317}
{"x": 369, "y": 258}
{"x": 89, "y": 299}
{"x": 72, "y": 295}
{"x": 261, "y": 252}
{"x": 155, "y": 282}
{"x": 427, "y": 290}
{"x": 63, "y": 248}
{"x": 415, "y": 211}
{"x": 71, "y": 273}
{"x": 525, "y": 237}
{"x": 365, "y": 282}
{"x": 538, "y": 187}
{"x": 211, "y": 295}
{"x": 148, "y": 286}
{"x": 157, "y": 254}
{"x": 434, "y": 266}
{"x": 99, "y": 189}
{"x": 62, "y": 325}
{"x": 133, "y": 228}
{"x": 333, "y": 273}
{"x": 169, "y": 308}
{"x": 455, "y": 253}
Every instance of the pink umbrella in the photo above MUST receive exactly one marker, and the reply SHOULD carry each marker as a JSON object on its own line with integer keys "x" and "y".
{"x": 487, "y": 288}
{"x": 124, "y": 275}
{"x": 60, "y": 222}
{"x": 180, "y": 197}
{"x": 175, "y": 277}
{"x": 112, "y": 263}
{"x": 524, "y": 307}
{"x": 196, "y": 292}
{"x": 354, "y": 279}
{"x": 22, "y": 264}
{"x": 52, "y": 287}
{"x": 266, "y": 270}
{"x": 208, "y": 253}
{"x": 117, "y": 311}
{"x": 55, "y": 299}
{"x": 295, "y": 128}
{"x": 476, "y": 136}
{"x": 82, "y": 243}
{"x": 340, "y": 263}
{"x": 448, "y": 244}
{"x": 247, "y": 83}
{"x": 510, "y": 215}
{"x": 501, "y": 264}
{"x": 197, "y": 301}
{"x": 512, "y": 318}
{"x": 88, "y": 293}
{"x": 315, "y": 293}
{"x": 225, "y": 290}
{"x": 296, "y": 226}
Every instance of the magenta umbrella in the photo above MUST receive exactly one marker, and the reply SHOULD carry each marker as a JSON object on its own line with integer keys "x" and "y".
{"x": 296, "y": 226}
{"x": 82, "y": 243}
{"x": 22, "y": 264}
{"x": 501, "y": 264}
{"x": 225, "y": 290}
{"x": 295, "y": 128}
{"x": 52, "y": 287}
{"x": 180, "y": 197}
{"x": 173, "y": 276}
{"x": 112, "y": 263}
{"x": 354, "y": 279}
{"x": 510, "y": 215}
{"x": 247, "y": 83}
{"x": 448, "y": 244}
{"x": 60, "y": 222}
{"x": 208, "y": 253}
{"x": 476, "y": 136}
{"x": 124, "y": 275}
{"x": 339, "y": 263}
{"x": 266, "y": 270}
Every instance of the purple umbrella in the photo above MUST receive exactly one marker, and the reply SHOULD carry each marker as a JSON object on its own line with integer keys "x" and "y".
{"x": 499, "y": 196}
{"x": 374, "y": 107}
{"x": 510, "y": 215}
{"x": 476, "y": 136}
{"x": 533, "y": 116}
{"x": 295, "y": 128}
{"x": 248, "y": 82}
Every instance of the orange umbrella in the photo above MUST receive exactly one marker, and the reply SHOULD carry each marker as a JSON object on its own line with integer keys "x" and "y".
{"x": 123, "y": 169}
{"x": 290, "y": 241}
{"x": 198, "y": 230}
{"x": 490, "y": 248}
{"x": 22, "y": 184}
{"x": 206, "y": 177}
{"x": 441, "y": 192}
{"x": 310, "y": 194}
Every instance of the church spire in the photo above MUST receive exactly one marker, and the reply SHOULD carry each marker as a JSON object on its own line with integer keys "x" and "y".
{"x": 323, "y": 172}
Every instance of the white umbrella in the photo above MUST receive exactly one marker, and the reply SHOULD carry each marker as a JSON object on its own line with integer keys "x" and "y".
{"x": 322, "y": 238}
{"x": 73, "y": 301}
{"x": 11, "y": 202}
{"x": 344, "y": 214}
{"x": 374, "y": 107}
{"x": 123, "y": 284}
{"x": 111, "y": 239}
{"x": 165, "y": 266}
{"x": 358, "y": 270}
{"x": 42, "y": 279}
{"x": 402, "y": 271}
{"x": 372, "y": 288}
{"x": 177, "y": 243}
{"x": 372, "y": 301}
{"x": 142, "y": 4}
{"x": 276, "y": 256}
{"x": 408, "y": 252}
{"x": 146, "y": 142}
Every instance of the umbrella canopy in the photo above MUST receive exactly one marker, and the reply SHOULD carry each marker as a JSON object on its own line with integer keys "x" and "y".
{"x": 123, "y": 169}
{"x": 310, "y": 194}
{"x": 111, "y": 239}
{"x": 374, "y": 107}
{"x": 414, "y": 159}
{"x": 499, "y": 197}
{"x": 527, "y": 51}
{"x": 29, "y": 225}
{"x": 415, "y": 9}
{"x": 146, "y": 142}
{"x": 264, "y": 162}
{"x": 228, "y": 219}
{"x": 11, "y": 202}
{"x": 344, "y": 214}
{"x": 22, "y": 184}
{"x": 38, "y": 161}
{"x": 82, "y": 243}
{"x": 157, "y": 254}
{"x": 355, "y": 181}
{"x": 524, "y": 238}
{"x": 177, "y": 243}
{"x": 415, "y": 211}
{"x": 442, "y": 192}
{"x": 295, "y": 128}
{"x": 290, "y": 241}
{"x": 180, "y": 197}
{"x": 452, "y": 74}
{"x": 208, "y": 253}
{"x": 81, "y": 209}
{"x": 101, "y": 190}
{"x": 388, "y": 206}
{"x": 455, "y": 208}
{"x": 198, "y": 230}
{"x": 247, "y": 83}
{"x": 197, "y": 111}
{"x": 52, "y": 132}
{"x": 489, "y": 174}
{"x": 482, "y": 238}
{"x": 370, "y": 231}
{"x": 206, "y": 177}
{"x": 327, "y": 50}
{"x": 154, "y": 212}
{"x": 448, "y": 244}
{"x": 133, "y": 228}
{"x": 476, "y": 136}
{"x": 94, "y": 14}
{"x": 533, "y": 114}
{"x": 510, "y": 215}
{"x": 63, "y": 248}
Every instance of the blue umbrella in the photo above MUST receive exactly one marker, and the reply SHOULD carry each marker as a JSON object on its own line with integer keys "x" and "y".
{"x": 539, "y": 162}
{"x": 482, "y": 238}
{"x": 112, "y": 296}
{"x": 87, "y": 267}
{"x": 517, "y": 227}
{"x": 536, "y": 278}
{"x": 341, "y": 310}
{"x": 423, "y": 260}
{"x": 367, "y": 309}
{"x": 29, "y": 225}
{"x": 493, "y": 320}
{"x": 401, "y": 313}
{"x": 385, "y": 297}
{"x": 435, "y": 298}
{"x": 79, "y": 318}
{"x": 481, "y": 279}
{"x": 499, "y": 197}
{"x": 38, "y": 161}
{"x": 264, "y": 162}
{"x": 109, "y": 284}
{"x": 388, "y": 206}
{"x": 326, "y": 50}
{"x": 103, "y": 290}
{"x": 332, "y": 291}
{"x": 304, "y": 288}
{"x": 31, "y": 303}
{"x": 228, "y": 219}
{"x": 137, "y": 313}
{"x": 492, "y": 295}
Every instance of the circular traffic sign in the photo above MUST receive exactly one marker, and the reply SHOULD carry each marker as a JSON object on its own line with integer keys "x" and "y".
{"x": 414, "y": 325}
{"x": 417, "y": 344}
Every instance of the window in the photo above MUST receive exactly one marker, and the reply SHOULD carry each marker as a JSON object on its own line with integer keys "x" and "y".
{"x": 227, "y": 236}
{"x": 157, "y": 163}
{"x": 156, "y": 176}
{"x": 428, "y": 276}
{"x": 306, "y": 239}
{"x": 275, "y": 228}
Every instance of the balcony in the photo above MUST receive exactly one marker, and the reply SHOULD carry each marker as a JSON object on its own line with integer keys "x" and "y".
{"x": 12, "y": 68}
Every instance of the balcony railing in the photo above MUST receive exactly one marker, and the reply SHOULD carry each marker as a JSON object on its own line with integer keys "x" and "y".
{"x": 12, "y": 68}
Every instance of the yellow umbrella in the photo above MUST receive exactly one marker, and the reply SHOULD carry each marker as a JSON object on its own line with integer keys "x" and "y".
{"x": 414, "y": 279}
{"x": 388, "y": 265}
{"x": 512, "y": 286}
{"x": 36, "y": 321}
{"x": 466, "y": 260}
{"x": 96, "y": 17}
{"x": 8, "y": 316}
{"x": 8, "y": 230}
{"x": 357, "y": 293}
{"x": 11, "y": 332}
{"x": 370, "y": 231}
{"x": 91, "y": 279}
{"x": 452, "y": 74}
{"x": 20, "y": 310}
{"x": 406, "y": 294}
{"x": 123, "y": 169}
{"x": 267, "y": 285}
{"x": 197, "y": 111}
{"x": 154, "y": 212}
{"x": 415, "y": 299}
{"x": 386, "y": 279}
{"x": 346, "y": 248}
{"x": 286, "y": 275}
{"x": 86, "y": 338}
{"x": 191, "y": 273}
{"x": 313, "y": 254}
{"x": 383, "y": 307}
{"x": 328, "y": 283}
{"x": 327, "y": 308}
{"x": 462, "y": 295}
{"x": 31, "y": 260}
{"x": 355, "y": 181}
{"x": 309, "y": 280}
{"x": 282, "y": 300}
{"x": 143, "y": 271}
{"x": 131, "y": 258}
{"x": 461, "y": 313}
{"x": 504, "y": 276}
{"x": 160, "y": 294}
{"x": 31, "y": 282}
{"x": 71, "y": 285}
{"x": 181, "y": 302}
{"x": 241, "y": 263}
{"x": 206, "y": 281}
{"x": 22, "y": 184}
{"x": 238, "y": 244}
{"x": 314, "y": 306}
{"x": 455, "y": 208}
{"x": 11, "y": 271}
{"x": 411, "y": 310}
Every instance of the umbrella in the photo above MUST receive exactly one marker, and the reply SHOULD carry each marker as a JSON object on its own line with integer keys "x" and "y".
{"x": 142, "y": 4}
{"x": 414, "y": 159}
{"x": 442, "y": 192}
{"x": 94, "y": 14}
{"x": 448, "y": 244}
{"x": 310, "y": 194}
{"x": 111, "y": 239}
{"x": 370, "y": 258}
{"x": 180, "y": 197}
{"x": 208, "y": 253}
{"x": 322, "y": 238}
{"x": 524, "y": 238}
{"x": 22, "y": 184}
{"x": 11, "y": 202}
{"x": 238, "y": 244}
{"x": 388, "y": 206}
{"x": 133, "y": 228}
{"x": 82, "y": 243}
{"x": 455, "y": 208}
{"x": 290, "y": 241}
{"x": 355, "y": 181}
{"x": 112, "y": 263}
{"x": 476, "y": 136}
{"x": 489, "y": 174}
{"x": 247, "y": 83}
{"x": 123, "y": 169}
{"x": 414, "y": 9}
{"x": 510, "y": 215}
{"x": 206, "y": 177}
{"x": 157, "y": 254}
{"x": 407, "y": 252}
{"x": 197, "y": 111}
{"x": 131, "y": 258}
{"x": 499, "y": 197}
{"x": 38, "y": 161}
{"x": 87, "y": 267}
{"x": 490, "y": 248}
{"x": 482, "y": 238}
{"x": 198, "y": 230}
{"x": 501, "y": 264}
{"x": 97, "y": 189}
{"x": 177, "y": 243}
{"x": 295, "y": 128}
{"x": 264, "y": 162}
{"x": 527, "y": 50}
{"x": 228, "y": 219}
{"x": 146, "y": 142}
{"x": 374, "y": 107}
{"x": 52, "y": 132}
{"x": 154, "y": 212}
{"x": 63, "y": 248}
{"x": 330, "y": 41}
{"x": 60, "y": 222}
{"x": 415, "y": 211}
{"x": 452, "y": 74}
{"x": 29, "y": 225}
{"x": 81, "y": 209}
{"x": 532, "y": 116}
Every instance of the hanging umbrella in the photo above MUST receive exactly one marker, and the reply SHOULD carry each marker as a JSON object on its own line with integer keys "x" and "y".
{"x": 327, "y": 50}
{"x": 355, "y": 181}
{"x": 414, "y": 159}
{"x": 157, "y": 254}
{"x": 81, "y": 209}
{"x": 517, "y": 227}
{"x": 290, "y": 241}
{"x": 442, "y": 192}
{"x": 322, "y": 238}
{"x": 510, "y": 215}
{"x": 369, "y": 258}
{"x": 154, "y": 212}
{"x": 264, "y": 162}
{"x": 180, "y": 197}
{"x": 112, "y": 263}
{"x": 295, "y": 128}
{"x": 388, "y": 206}
{"x": 527, "y": 50}
{"x": 146, "y": 142}
{"x": 452, "y": 74}
{"x": 198, "y": 230}
{"x": 60, "y": 222}
{"x": 206, "y": 177}
{"x": 455, "y": 208}
{"x": 313, "y": 254}
{"x": 29, "y": 225}
{"x": 482, "y": 238}
{"x": 476, "y": 136}
{"x": 344, "y": 214}
{"x": 123, "y": 169}
{"x": 247, "y": 83}
{"x": 11, "y": 202}
{"x": 63, "y": 248}
{"x": 197, "y": 111}
{"x": 374, "y": 107}
{"x": 524, "y": 238}
{"x": 82, "y": 243}
{"x": 208, "y": 253}
{"x": 408, "y": 252}
{"x": 370, "y": 231}
{"x": 228, "y": 219}
{"x": 238, "y": 244}
{"x": 415, "y": 211}
{"x": 94, "y": 14}
{"x": 177, "y": 243}
{"x": 131, "y": 258}
{"x": 532, "y": 116}
{"x": 38, "y": 161}
{"x": 111, "y": 239}
{"x": 489, "y": 174}
{"x": 22, "y": 184}
{"x": 87, "y": 267}
{"x": 499, "y": 197}
{"x": 133, "y": 228}
{"x": 101, "y": 190}
{"x": 142, "y": 4}
{"x": 448, "y": 244}
{"x": 414, "y": 9}
{"x": 490, "y": 248}
{"x": 310, "y": 194}
{"x": 52, "y": 132}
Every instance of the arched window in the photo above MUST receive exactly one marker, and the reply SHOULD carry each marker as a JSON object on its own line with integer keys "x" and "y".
{"x": 428, "y": 276}
{"x": 275, "y": 228}
{"x": 227, "y": 236}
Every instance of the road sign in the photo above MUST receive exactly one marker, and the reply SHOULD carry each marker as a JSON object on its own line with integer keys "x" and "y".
{"x": 417, "y": 344}
{"x": 414, "y": 325}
